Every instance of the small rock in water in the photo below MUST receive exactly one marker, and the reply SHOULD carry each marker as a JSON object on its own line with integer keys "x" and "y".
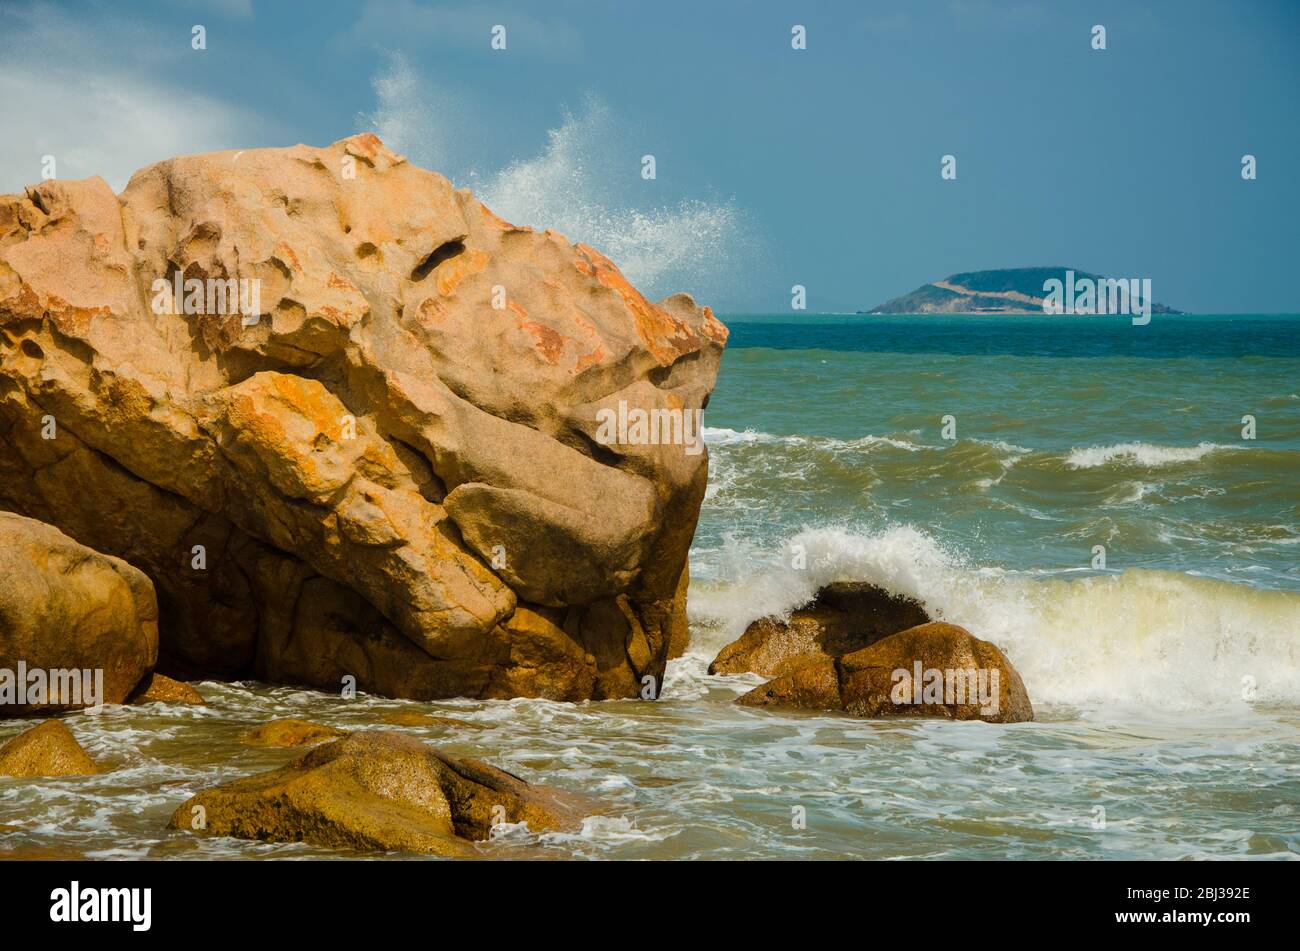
{"x": 843, "y": 617}
{"x": 936, "y": 670}
{"x": 48, "y": 749}
{"x": 289, "y": 732}
{"x": 860, "y": 649}
{"x": 413, "y": 718}
{"x": 157, "y": 688}
{"x": 377, "y": 791}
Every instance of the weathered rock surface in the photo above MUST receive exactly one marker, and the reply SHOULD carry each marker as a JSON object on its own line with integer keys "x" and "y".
{"x": 377, "y": 791}
{"x": 950, "y": 675}
{"x": 843, "y": 617}
{"x": 47, "y": 749}
{"x": 157, "y": 688}
{"x": 289, "y": 732}
{"x": 67, "y": 611}
{"x": 390, "y": 468}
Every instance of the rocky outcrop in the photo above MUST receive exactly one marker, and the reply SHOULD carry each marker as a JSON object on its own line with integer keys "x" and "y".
{"x": 77, "y": 628}
{"x": 157, "y": 688}
{"x": 381, "y": 455}
{"x": 289, "y": 732}
{"x": 844, "y": 616}
{"x": 48, "y": 749}
{"x": 934, "y": 670}
{"x": 377, "y": 791}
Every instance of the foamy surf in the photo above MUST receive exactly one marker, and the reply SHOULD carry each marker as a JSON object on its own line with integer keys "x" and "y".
{"x": 1141, "y": 454}
{"x": 730, "y": 437}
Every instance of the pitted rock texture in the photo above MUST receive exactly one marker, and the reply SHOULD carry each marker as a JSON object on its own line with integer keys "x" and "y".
{"x": 391, "y": 469}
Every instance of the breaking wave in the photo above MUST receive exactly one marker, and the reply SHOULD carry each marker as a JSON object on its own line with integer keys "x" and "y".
{"x": 1146, "y": 637}
{"x": 1141, "y": 454}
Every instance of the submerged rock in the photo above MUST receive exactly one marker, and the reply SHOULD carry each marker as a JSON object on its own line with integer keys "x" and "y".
{"x": 417, "y": 719}
{"x": 377, "y": 791}
{"x": 352, "y": 424}
{"x": 934, "y": 670}
{"x": 843, "y": 617}
{"x": 157, "y": 688}
{"x": 47, "y": 749}
{"x": 289, "y": 732}
{"x": 77, "y": 628}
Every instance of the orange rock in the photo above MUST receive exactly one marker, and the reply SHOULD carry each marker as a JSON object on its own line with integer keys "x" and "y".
{"x": 950, "y": 674}
{"x": 157, "y": 688}
{"x": 414, "y": 718}
{"x": 85, "y": 623}
{"x": 385, "y": 436}
{"x": 843, "y": 617}
{"x": 48, "y": 749}
{"x": 377, "y": 791}
{"x": 934, "y": 670}
{"x": 289, "y": 732}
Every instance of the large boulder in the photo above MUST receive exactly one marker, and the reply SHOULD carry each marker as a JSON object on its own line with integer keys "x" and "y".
{"x": 377, "y": 791}
{"x": 77, "y": 628}
{"x": 934, "y": 670}
{"x": 843, "y": 616}
{"x": 386, "y": 455}
{"x": 47, "y": 749}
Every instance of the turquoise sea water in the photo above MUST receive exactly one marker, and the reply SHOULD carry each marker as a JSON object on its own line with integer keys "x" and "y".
{"x": 1166, "y": 685}
{"x": 1070, "y": 432}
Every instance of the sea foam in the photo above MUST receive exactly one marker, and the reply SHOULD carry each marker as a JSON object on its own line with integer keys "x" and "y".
{"x": 1140, "y": 454}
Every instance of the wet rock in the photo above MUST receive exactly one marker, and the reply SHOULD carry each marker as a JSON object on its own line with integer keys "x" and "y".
{"x": 978, "y": 682}
{"x": 810, "y": 682}
{"x": 843, "y": 617}
{"x": 76, "y": 627}
{"x": 387, "y": 456}
{"x": 377, "y": 791}
{"x": 157, "y": 688}
{"x": 935, "y": 670}
{"x": 289, "y": 732}
{"x": 47, "y": 749}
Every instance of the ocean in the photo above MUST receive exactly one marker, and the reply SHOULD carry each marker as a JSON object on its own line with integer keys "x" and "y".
{"x": 1166, "y": 683}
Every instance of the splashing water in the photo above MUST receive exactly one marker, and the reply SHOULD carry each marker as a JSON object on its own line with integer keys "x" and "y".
{"x": 583, "y": 183}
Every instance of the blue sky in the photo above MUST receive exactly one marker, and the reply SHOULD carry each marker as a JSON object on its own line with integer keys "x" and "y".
{"x": 774, "y": 167}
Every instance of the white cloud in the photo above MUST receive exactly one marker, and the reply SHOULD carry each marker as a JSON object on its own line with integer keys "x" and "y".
{"x": 61, "y": 99}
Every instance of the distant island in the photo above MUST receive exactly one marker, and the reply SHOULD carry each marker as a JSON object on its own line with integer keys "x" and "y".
{"x": 1017, "y": 290}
